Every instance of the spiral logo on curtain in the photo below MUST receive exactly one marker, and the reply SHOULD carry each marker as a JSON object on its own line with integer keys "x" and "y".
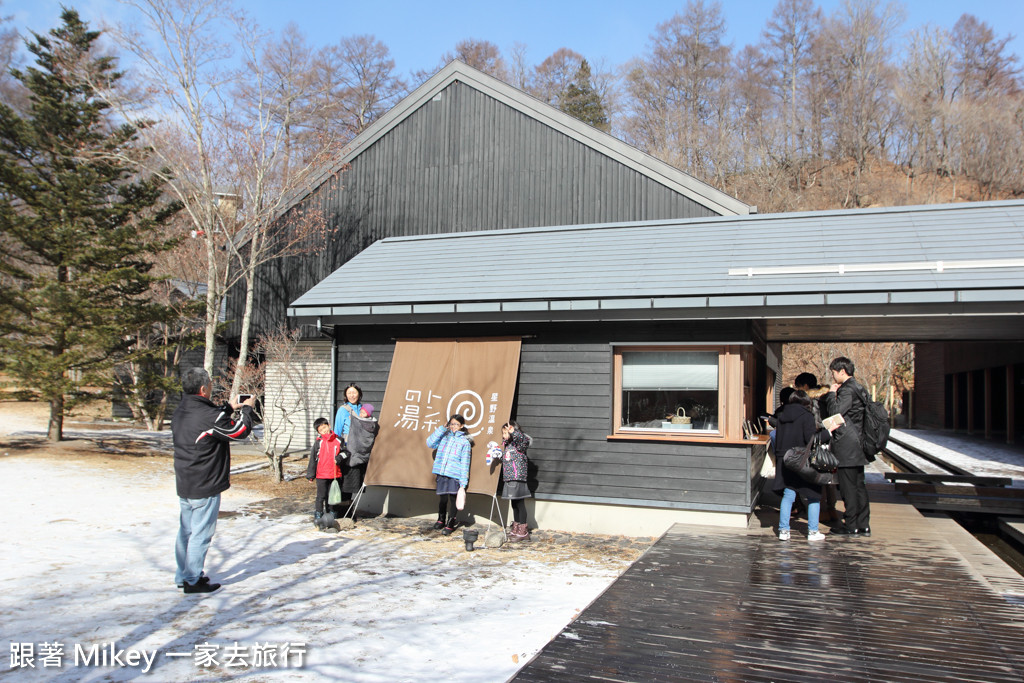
{"x": 470, "y": 407}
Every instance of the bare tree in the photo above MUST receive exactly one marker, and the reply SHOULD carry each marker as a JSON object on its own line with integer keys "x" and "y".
{"x": 180, "y": 51}
{"x": 149, "y": 377}
{"x": 482, "y": 55}
{"x": 859, "y": 77}
{"x": 990, "y": 138}
{"x": 879, "y": 366}
{"x": 518, "y": 70}
{"x": 287, "y": 414}
{"x": 982, "y": 65}
{"x": 11, "y": 91}
{"x": 924, "y": 92}
{"x": 673, "y": 93}
{"x": 287, "y": 90}
{"x": 358, "y": 85}
{"x": 230, "y": 166}
{"x": 787, "y": 39}
{"x": 552, "y": 77}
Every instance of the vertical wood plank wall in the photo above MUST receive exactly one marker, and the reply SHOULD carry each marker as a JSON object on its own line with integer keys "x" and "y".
{"x": 462, "y": 162}
{"x": 564, "y": 401}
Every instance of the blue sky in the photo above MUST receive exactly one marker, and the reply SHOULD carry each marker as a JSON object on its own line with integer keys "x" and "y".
{"x": 419, "y": 32}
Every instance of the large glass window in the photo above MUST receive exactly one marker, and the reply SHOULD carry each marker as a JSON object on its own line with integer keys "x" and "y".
{"x": 672, "y": 391}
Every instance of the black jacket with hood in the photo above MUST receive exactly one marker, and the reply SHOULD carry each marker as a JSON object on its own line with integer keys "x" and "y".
{"x": 795, "y": 430}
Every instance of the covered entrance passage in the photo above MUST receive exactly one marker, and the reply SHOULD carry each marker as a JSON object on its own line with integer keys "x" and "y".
{"x": 708, "y": 303}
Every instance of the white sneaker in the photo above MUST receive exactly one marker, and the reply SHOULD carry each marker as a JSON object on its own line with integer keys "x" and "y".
{"x": 816, "y": 536}
{"x": 784, "y": 535}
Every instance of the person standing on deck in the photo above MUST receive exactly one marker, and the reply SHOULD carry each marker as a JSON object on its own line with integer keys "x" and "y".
{"x": 846, "y": 398}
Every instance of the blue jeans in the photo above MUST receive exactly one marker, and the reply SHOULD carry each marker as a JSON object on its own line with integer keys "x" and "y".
{"x": 788, "y": 496}
{"x": 197, "y": 523}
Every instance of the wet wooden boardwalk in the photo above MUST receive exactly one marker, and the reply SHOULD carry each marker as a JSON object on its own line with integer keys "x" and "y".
{"x": 921, "y": 600}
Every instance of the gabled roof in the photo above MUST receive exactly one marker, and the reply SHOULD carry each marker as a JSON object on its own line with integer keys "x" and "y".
{"x": 457, "y": 71}
{"x": 955, "y": 254}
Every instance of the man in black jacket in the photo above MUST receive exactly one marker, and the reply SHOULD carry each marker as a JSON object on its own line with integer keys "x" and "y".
{"x": 846, "y": 399}
{"x": 202, "y": 433}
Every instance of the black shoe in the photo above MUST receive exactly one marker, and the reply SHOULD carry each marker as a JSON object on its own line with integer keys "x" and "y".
{"x": 202, "y": 579}
{"x": 866, "y": 531}
{"x": 200, "y": 587}
{"x": 844, "y": 531}
{"x": 439, "y": 524}
{"x": 450, "y": 526}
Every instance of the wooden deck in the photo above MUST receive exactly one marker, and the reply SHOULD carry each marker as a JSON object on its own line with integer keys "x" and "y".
{"x": 921, "y": 600}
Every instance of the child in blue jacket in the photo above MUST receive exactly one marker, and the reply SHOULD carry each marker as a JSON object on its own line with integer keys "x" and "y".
{"x": 451, "y": 465}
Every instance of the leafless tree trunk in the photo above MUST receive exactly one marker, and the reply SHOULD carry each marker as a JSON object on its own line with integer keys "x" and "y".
{"x": 227, "y": 140}
{"x": 285, "y": 413}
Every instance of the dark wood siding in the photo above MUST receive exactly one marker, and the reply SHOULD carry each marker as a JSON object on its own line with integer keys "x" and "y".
{"x": 929, "y": 385}
{"x": 937, "y": 365}
{"x": 564, "y": 401}
{"x": 368, "y": 366}
{"x": 462, "y": 162}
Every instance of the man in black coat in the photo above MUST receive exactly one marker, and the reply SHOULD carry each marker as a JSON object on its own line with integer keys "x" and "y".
{"x": 202, "y": 433}
{"x": 846, "y": 398}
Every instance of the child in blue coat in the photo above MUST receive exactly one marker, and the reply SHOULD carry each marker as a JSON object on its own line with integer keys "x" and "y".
{"x": 451, "y": 465}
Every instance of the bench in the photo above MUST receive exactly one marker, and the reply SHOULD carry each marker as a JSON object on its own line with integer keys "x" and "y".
{"x": 923, "y": 478}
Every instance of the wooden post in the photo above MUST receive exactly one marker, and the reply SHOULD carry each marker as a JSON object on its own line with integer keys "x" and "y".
{"x": 1010, "y": 408}
{"x": 988, "y": 403}
{"x": 970, "y": 402}
{"x": 956, "y": 401}
{"x": 910, "y": 409}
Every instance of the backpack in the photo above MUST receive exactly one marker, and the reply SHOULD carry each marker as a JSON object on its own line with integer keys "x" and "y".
{"x": 875, "y": 433}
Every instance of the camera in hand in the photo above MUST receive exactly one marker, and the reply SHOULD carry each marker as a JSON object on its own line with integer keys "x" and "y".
{"x": 242, "y": 398}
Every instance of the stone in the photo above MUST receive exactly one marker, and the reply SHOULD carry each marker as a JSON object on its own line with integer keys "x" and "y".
{"x": 493, "y": 539}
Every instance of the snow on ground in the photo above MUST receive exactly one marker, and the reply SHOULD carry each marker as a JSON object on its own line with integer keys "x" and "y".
{"x": 981, "y": 458}
{"x": 88, "y": 561}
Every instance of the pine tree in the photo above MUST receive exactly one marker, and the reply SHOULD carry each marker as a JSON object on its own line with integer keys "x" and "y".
{"x": 581, "y": 101}
{"x": 78, "y": 226}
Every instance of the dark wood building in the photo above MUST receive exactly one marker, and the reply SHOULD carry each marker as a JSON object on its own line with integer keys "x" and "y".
{"x": 466, "y": 152}
{"x": 623, "y": 324}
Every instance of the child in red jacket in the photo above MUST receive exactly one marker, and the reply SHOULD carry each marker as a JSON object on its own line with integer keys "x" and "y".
{"x": 324, "y": 460}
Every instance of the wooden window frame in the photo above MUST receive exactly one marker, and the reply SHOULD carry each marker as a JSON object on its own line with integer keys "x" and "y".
{"x": 735, "y": 365}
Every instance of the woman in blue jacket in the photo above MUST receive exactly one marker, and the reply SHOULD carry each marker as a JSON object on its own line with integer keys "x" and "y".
{"x": 351, "y": 473}
{"x": 451, "y": 465}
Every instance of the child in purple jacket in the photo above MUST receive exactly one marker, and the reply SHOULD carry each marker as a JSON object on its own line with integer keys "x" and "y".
{"x": 513, "y": 473}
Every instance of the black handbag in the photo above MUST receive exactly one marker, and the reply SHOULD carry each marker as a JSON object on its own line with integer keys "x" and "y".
{"x": 821, "y": 457}
{"x": 798, "y": 460}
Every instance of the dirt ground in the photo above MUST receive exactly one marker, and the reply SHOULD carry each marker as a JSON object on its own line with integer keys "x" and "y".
{"x": 270, "y": 499}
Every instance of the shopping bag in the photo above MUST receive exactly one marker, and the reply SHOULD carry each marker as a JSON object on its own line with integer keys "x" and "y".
{"x": 460, "y": 499}
{"x": 334, "y": 493}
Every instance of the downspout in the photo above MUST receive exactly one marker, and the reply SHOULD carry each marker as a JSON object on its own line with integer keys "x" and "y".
{"x": 334, "y": 363}
{"x": 334, "y": 373}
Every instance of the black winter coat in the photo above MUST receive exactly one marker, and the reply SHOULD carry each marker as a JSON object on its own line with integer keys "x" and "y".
{"x": 362, "y": 432}
{"x": 201, "y": 432}
{"x": 795, "y": 430}
{"x": 848, "y": 402}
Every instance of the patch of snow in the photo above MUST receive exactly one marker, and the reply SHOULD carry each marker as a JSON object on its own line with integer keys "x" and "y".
{"x": 89, "y": 560}
{"x": 980, "y": 458}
